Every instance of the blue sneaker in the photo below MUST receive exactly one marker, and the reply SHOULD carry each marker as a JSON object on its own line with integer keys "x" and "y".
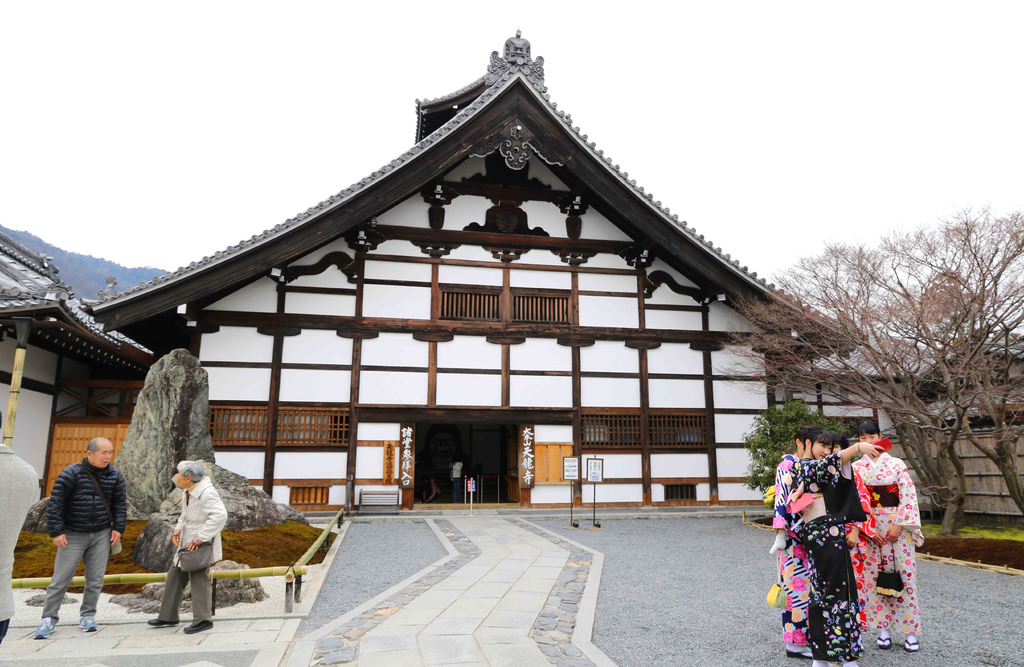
{"x": 45, "y": 628}
{"x": 88, "y": 624}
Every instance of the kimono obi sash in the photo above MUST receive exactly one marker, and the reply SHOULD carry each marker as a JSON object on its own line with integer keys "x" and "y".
{"x": 886, "y": 495}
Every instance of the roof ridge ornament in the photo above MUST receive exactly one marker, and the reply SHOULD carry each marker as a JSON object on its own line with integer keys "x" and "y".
{"x": 516, "y": 59}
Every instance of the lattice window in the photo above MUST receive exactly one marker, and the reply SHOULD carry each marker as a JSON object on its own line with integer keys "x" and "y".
{"x": 611, "y": 430}
{"x": 553, "y": 308}
{"x": 677, "y": 430}
{"x": 465, "y": 304}
{"x": 308, "y": 495}
{"x": 297, "y": 426}
{"x": 680, "y": 492}
{"x": 242, "y": 425}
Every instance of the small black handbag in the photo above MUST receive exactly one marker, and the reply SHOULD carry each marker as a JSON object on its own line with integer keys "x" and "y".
{"x": 889, "y": 583}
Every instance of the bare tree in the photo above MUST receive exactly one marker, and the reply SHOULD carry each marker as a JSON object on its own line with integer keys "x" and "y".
{"x": 924, "y": 327}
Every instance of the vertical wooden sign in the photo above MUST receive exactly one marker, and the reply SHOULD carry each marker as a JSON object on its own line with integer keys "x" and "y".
{"x": 389, "y": 463}
{"x": 527, "y": 458}
{"x": 407, "y": 469}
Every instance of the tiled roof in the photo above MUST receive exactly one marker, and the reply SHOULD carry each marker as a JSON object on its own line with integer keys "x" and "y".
{"x": 501, "y": 72}
{"x": 29, "y": 283}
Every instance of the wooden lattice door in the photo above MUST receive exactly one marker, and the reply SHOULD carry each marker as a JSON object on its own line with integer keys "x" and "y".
{"x": 70, "y": 439}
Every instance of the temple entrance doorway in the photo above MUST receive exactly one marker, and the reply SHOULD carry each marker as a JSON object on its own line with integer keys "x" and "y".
{"x": 484, "y": 452}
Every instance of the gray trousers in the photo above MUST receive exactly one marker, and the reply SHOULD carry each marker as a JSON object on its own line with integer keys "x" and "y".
{"x": 92, "y": 548}
{"x": 202, "y": 597}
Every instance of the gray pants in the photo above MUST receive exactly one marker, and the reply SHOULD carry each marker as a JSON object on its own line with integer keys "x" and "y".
{"x": 202, "y": 598}
{"x": 92, "y": 548}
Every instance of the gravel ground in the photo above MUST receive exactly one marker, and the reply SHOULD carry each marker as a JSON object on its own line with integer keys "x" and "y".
{"x": 373, "y": 557}
{"x": 690, "y": 591}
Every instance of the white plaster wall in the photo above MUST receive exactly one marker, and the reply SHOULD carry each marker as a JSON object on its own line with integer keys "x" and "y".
{"x": 724, "y": 318}
{"x": 410, "y": 213}
{"x": 469, "y": 168}
{"x": 657, "y": 493}
{"x": 847, "y": 411}
{"x": 300, "y": 385}
{"x": 540, "y": 354}
{"x": 383, "y": 388}
{"x": 541, "y": 257}
{"x": 675, "y": 358}
{"x": 541, "y": 172}
{"x": 549, "y": 494}
{"x": 239, "y": 384}
{"x": 736, "y": 360}
{"x": 237, "y": 344}
{"x": 336, "y": 495}
{"x": 468, "y": 389}
{"x": 553, "y": 433}
{"x": 39, "y": 364}
{"x": 470, "y": 275}
{"x": 310, "y": 465}
{"x": 332, "y": 277}
{"x": 370, "y": 462}
{"x": 546, "y": 216}
{"x": 703, "y": 492}
{"x": 320, "y": 304}
{"x": 679, "y": 465}
{"x": 468, "y": 352}
{"x": 608, "y": 311}
{"x": 540, "y": 391}
{"x": 381, "y": 431}
{"x": 596, "y": 226}
{"x": 396, "y": 301}
{"x": 473, "y": 253}
{"x": 604, "y": 282}
{"x": 462, "y": 211}
{"x": 676, "y": 393}
{"x": 613, "y": 493}
{"x": 732, "y": 428}
{"x": 733, "y": 491}
{"x": 337, "y": 245}
{"x": 316, "y": 346}
{"x": 397, "y": 271}
{"x": 732, "y": 462}
{"x": 398, "y": 247}
{"x": 616, "y": 466}
{"x": 610, "y": 357}
{"x": 280, "y": 494}
{"x": 540, "y": 279}
{"x": 31, "y": 427}
{"x": 610, "y": 392}
{"x": 681, "y": 320}
{"x": 246, "y": 464}
{"x": 662, "y": 265}
{"x": 395, "y": 349}
{"x": 606, "y": 260}
{"x": 751, "y": 395}
{"x": 256, "y": 297}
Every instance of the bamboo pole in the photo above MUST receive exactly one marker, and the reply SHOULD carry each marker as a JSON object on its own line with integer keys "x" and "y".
{"x": 320, "y": 540}
{"x": 12, "y": 399}
{"x": 286, "y": 571}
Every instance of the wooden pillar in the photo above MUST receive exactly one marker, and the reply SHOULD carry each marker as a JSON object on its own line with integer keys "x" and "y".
{"x": 709, "y": 411}
{"x": 577, "y": 424}
{"x": 270, "y": 454}
{"x": 353, "y": 392}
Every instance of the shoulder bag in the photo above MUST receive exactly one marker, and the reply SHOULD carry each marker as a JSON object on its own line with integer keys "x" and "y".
{"x": 115, "y": 548}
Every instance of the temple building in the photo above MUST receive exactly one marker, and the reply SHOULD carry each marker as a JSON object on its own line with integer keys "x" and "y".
{"x": 502, "y": 294}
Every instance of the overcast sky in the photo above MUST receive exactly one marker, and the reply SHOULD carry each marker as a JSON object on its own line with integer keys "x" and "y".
{"x": 156, "y": 133}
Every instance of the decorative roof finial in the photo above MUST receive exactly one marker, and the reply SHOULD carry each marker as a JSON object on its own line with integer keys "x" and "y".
{"x": 516, "y": 59}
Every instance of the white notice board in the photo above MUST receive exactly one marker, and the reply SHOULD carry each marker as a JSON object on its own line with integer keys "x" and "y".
{"x": 570, "y": 467}
{"x": 595, "y": 470}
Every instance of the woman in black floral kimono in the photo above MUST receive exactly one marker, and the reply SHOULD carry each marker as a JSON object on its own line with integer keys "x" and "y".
{"x": 827, "y": 499}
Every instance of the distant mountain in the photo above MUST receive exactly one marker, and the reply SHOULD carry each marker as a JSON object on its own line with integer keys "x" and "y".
{"x": 84, "y": 273}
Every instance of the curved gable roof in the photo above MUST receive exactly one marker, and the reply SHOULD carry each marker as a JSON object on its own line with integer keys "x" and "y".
{"x": 514, "y": 100}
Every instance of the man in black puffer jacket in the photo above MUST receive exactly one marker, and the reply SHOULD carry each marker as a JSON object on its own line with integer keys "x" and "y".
{"x": 83, "y": 530}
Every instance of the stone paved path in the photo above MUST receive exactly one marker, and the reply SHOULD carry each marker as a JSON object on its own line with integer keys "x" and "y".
{"x": 509, "y": 594}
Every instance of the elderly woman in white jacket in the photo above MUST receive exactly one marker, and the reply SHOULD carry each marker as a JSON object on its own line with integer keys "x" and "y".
{"x": 202, "y": 517}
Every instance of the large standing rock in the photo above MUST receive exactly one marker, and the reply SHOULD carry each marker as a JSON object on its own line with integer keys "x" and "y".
{"x": 170, "y": 424}
{"x": 35, "y": 520}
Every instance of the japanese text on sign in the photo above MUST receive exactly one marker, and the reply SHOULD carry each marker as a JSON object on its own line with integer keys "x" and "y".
{"x": 407, "y": 456}
{"x": 528, "y": 457}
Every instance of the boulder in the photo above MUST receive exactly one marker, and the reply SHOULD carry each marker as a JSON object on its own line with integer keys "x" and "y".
{"x": 170, "y": 424}
{"x": 35, "y": 520}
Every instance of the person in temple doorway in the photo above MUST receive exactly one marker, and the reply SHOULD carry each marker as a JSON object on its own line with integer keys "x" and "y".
{"x": 456, "y": 476}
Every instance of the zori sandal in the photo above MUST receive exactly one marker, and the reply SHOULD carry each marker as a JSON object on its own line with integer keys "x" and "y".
{"x": 911, "y": 646}
{"x": 884, "y": 643}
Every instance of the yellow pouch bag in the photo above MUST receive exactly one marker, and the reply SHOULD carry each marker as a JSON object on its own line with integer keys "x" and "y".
{"x": 777, "y": 595}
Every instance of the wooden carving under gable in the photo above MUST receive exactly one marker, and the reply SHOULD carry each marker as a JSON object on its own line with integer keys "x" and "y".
{"x": 339, "y": 259}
